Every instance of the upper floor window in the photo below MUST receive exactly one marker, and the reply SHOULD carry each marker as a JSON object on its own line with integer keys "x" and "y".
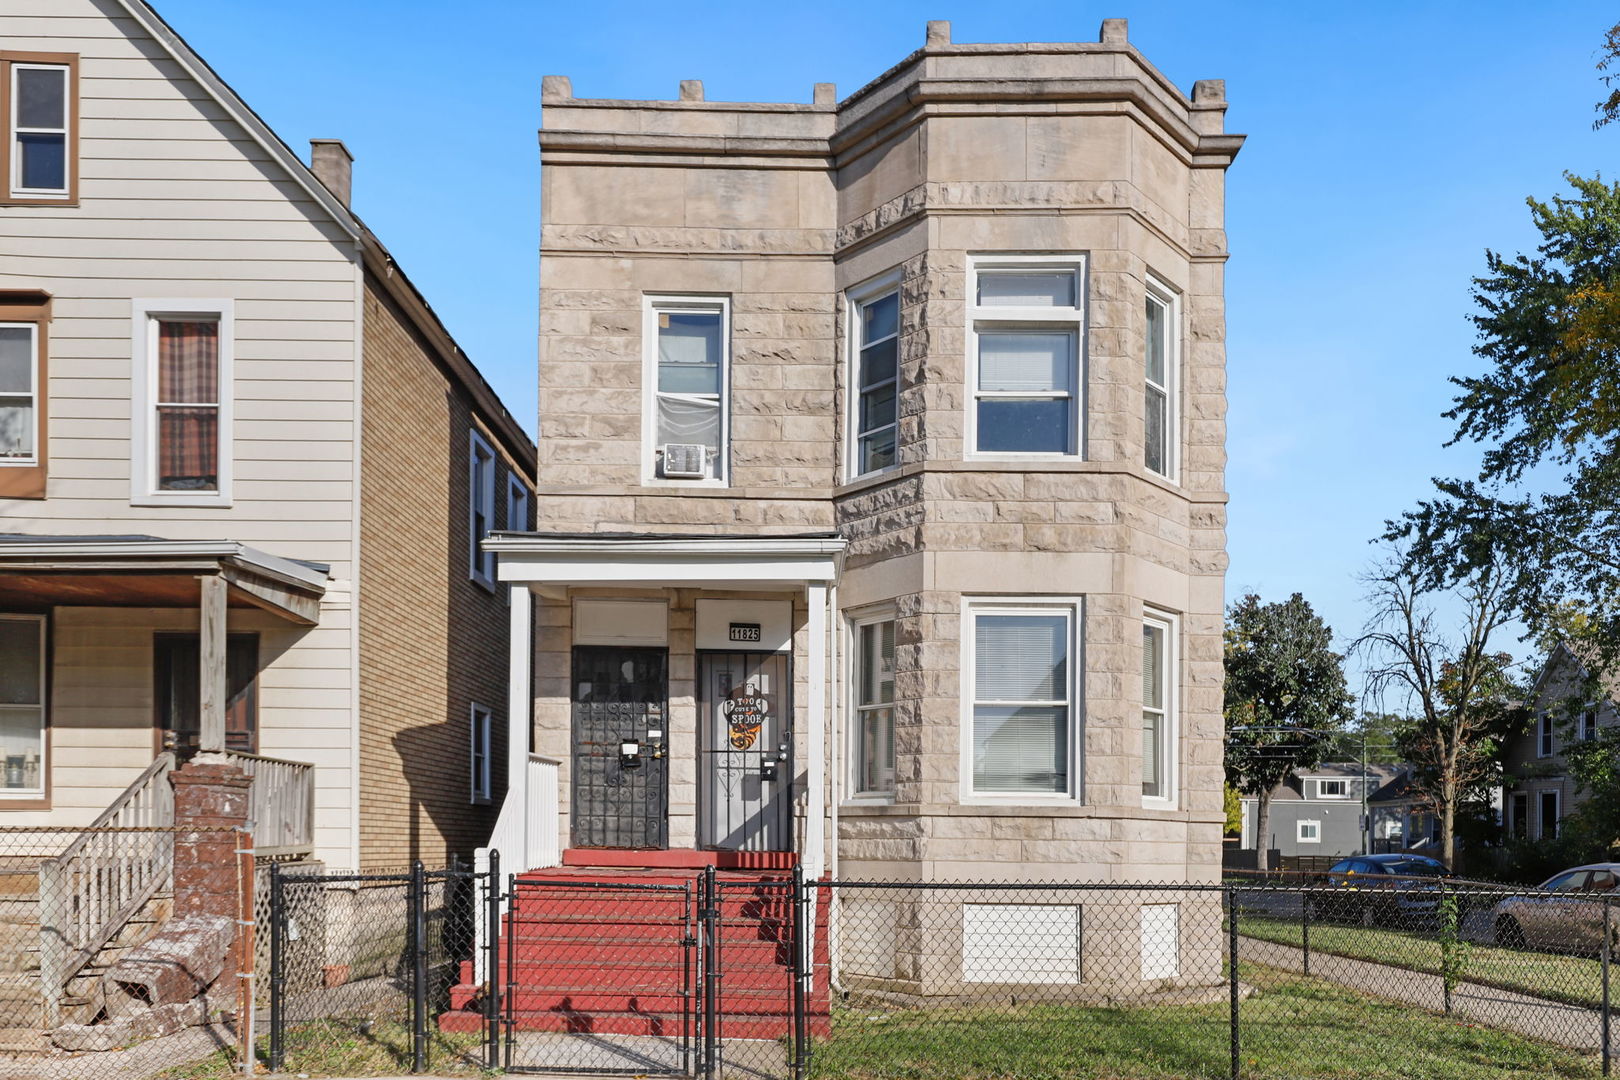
{"x": 875, "y": 381}
{"x": 517, "y": 504}
{"x": 1159, "y": 421}
{"x": 1544, "y": 735}
{"x": 480, "y": 508}
{"x": 1025, "y": 335}
{"x": 182, "y": 423}
{"x": 1158, "y": 710}
{"x": 41, "y": 94}
{"x": 480, "y": 747}
{"x": 687, "y": 343}
{"x": 1588, "y": 725}
{"x": 1020, "y": 699}
{"x": 1332, "y": 789}
{"x": 874, "y": 707}
{"x": 24, "y": 318}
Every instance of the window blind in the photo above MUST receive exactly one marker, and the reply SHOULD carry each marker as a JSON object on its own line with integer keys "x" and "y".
{"x": 1024, "y": 360}
{"x": 1021, "y": 658}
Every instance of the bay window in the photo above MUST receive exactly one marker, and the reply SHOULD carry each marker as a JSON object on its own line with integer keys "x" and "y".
{"x": 1026, "y": 320}
{"x": 875, "y": 422}
{"x": 1159, "y": 420}
{"x": 874, "y": 707}
{"x": 1019, "y": 691}
{"x": 1158, "y": 710}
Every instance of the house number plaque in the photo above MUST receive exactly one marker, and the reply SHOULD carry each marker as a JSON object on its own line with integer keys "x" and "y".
{"x": 745, "y": 631}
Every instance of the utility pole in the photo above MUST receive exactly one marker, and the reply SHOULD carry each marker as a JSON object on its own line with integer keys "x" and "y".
{"x": 1366, "y": 817}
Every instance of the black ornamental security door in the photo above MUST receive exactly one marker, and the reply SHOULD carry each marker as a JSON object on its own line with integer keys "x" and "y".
{"x": 745, "y": 711}
{"x": 620, "y": 747}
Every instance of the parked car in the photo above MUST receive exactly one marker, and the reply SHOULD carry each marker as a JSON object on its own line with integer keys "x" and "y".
{"x": 1379, "y": 889}
{"x": 1566, "y": 914}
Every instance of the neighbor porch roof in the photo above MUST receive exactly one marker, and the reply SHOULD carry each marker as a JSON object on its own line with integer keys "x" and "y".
{"x": 147, "y": 571}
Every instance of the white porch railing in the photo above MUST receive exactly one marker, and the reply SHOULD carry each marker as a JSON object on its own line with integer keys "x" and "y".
{"x": 281, "y": 803}
{"x": 542, "y": 844}
{"x": 525, "y": 834}
{"x": 102, "y": 878}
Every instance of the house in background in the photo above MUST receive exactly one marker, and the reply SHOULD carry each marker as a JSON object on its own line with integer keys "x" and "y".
{"x": 244, "y": 470}
{"x": 1319, "y": 812}
{"x": 882, "y": 490}
{"x": 1537, "y": 789}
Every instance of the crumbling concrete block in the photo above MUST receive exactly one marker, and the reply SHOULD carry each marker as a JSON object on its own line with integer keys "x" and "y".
{"x": 140, "y": 1026}
{"x": 177, "y": 965}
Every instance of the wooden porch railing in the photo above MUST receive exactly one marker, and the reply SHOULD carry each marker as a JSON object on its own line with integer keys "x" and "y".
{"x": 281, "y": 803}
{"x": 543, "y": 811}
{"x": 102, "y": 878}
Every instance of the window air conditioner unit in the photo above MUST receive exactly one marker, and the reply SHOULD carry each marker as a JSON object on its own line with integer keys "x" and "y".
{"x": 685, "y": 461}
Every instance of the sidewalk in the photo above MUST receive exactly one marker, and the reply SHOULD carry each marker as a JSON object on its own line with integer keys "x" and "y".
{"x": 1549, "y": 1021}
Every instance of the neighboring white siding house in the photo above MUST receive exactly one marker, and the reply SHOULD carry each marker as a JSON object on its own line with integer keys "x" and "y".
{"x": 187, "y": 206}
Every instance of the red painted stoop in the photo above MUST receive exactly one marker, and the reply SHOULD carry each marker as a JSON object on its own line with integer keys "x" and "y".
{"x": 590, "y": 958}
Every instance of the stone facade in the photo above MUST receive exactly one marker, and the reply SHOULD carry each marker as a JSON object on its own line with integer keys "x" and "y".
{"x": 959, "y": 151}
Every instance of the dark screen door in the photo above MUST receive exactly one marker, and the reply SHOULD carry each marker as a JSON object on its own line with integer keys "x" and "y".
{"x": 620, "y": 702}
{"x": 745, "y": 711}
{"x": 176, "y": 684}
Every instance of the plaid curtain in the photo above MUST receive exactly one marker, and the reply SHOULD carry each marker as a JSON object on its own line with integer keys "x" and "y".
{"x": 188, "y": 413}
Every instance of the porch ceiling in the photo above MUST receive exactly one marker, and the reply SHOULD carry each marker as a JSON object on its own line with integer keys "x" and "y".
{"x": 148, "y": 572}
{"x": 712, "y": 562}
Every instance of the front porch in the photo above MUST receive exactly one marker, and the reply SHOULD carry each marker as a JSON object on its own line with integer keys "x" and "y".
{"x": 681, "y": 700}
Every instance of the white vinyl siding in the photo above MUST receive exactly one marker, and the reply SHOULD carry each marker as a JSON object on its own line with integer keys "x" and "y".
{"x": 687, "y": 358}
{"x": 1160, "y": 933}
{"x": 480, "y": 509}
{"x": 19, "y": 393}
{"x": 1021, "y": 943}
{"x": 1019, "y": 700}
{"x": 1025, "y": 338}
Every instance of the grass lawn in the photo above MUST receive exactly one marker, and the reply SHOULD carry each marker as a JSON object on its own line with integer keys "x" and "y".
{"x": 1573, "y": 980}
{"x": 1294, "y": 1028}
{"x": 340, "y": 1048}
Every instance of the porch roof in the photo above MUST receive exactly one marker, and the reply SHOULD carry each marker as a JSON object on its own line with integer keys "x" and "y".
{"x": 148, "y": 571}
{"x": 655, "y": 561}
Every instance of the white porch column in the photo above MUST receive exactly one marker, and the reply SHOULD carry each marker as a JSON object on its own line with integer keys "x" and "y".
{"x": 519, "y": 723}
{"x": 814, "y": 856}
{"x": 211, "y": 642}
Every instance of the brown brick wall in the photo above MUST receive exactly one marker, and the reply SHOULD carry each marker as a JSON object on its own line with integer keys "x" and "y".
{"x": 432, "y": 641}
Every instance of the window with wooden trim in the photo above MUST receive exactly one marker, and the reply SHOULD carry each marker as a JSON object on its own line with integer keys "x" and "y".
{"x": 874, "y": 707}
{"x": 183, "y": 408}
{"x": 22, "y": 706}
{"x": 1025, "y": 327}
{"x": 480, "y": 508}
{"x": 481, "y": 741}
{"x": 24, "y": 382}
{"x": 39, "y": 99}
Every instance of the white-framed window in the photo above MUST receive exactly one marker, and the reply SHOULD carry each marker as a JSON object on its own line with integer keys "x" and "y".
{"x": 480, "y": 747}
{"x": 686, "y": 352}
{"x": 40, "y": 119}
{"x": 1026, "y": 333}
{"x": 1308, "y": 832}
{"x": 1333, "y": 789}
{"x": 1160, "y": 420}
{"x": 874, "y": 376}
{"x": 1589, "y": 729}
{"x": 872, "y": 708}
{"x": 22, "y": 706}
{"x": 1019, "y": 692}
{"x": 1160, "y": 737}
{"x": 1547, "y": 807}
{"x": 1544, "y": 735}
{"x": 183, "y": 354}
{"x": 517, "y": 504}
{"x": 19, "y": 393}
{"x": 480, "y": 508}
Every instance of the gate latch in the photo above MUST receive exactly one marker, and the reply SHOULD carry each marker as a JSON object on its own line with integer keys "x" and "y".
{"x": 630, "y": 755}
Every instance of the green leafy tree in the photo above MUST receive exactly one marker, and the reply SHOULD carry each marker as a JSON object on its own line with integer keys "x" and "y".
{"x": 1541, "y": 513}
{"x": 1459, "y": 692}
{"x": 1372, "y": 732}
{"x": 1285, "y": 698}
{"x": 1233, "y": 806}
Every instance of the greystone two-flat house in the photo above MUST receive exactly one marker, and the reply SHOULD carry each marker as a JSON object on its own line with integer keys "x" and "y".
{"x": 1319, "y": 812}
{"x": 1537, "y": 790}
{"x": 881, "y": 488}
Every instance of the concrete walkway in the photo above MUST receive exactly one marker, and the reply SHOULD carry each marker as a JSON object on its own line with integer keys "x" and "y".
{"x": 1549, "y": 1021}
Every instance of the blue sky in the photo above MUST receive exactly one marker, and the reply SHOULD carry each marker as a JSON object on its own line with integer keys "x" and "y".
{"x": 1389, "y": 145}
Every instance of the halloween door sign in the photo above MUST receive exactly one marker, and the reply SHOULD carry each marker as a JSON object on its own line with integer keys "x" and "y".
{"x": 747, "y": 778}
